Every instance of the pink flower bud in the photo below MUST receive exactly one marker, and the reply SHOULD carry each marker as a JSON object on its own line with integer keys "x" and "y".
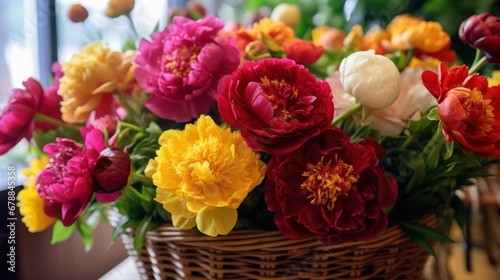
{"x": 111, "y": 171}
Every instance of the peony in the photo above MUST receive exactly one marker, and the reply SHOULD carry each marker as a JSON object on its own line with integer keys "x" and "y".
{"x": 16, "y": 119}
{"x": 66, "y": 182}
{"x": 181, "y": 67}
{"x": 371, "y": 78}
{"x": 413, "y": 101}
{"x": 342, "y": 101}
{"x": 277, "y": 103}
{"x": 469, "y": 110}
{"x": 88, "y": 84}
{"x": 330, "y": 188}
{"x": 112, "y": 171}
{"x": 482, "y": 32}
{"x": 30, "y": 204}
{"x": 202, "y": 175}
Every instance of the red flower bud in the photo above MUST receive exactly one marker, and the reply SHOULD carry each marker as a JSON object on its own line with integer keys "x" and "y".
{"x": 482, "y": 32}
{"x": 111, "y": 171}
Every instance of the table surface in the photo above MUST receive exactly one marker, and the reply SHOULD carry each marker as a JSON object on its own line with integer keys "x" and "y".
{"x": 126, "y": 270}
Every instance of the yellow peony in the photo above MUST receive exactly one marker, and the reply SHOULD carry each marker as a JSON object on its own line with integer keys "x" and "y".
{"x": 30, "y": 203}
{"x": 202, "y": 174}
{"x": 495, "y": 78}
{"x": 89, "y": 78}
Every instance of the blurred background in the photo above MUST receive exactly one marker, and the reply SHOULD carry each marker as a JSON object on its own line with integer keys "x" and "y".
{"x": 36, "y": 33}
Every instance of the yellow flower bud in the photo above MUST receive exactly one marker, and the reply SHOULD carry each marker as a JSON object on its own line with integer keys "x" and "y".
{"x": 256, "y": 50}
{"x": 289, "y": 14}
{"x": 117, "y": 8}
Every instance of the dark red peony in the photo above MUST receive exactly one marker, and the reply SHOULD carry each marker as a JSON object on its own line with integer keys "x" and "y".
{"x": 277, "y": 103}
{"x": 469, "y": 110}
{"x": 482, "y": 32}
{"x": 331, "y": 188}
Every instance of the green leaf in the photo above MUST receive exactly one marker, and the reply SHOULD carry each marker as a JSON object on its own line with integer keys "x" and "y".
{"x": 422, "y": 242}
{"x": 449, "y": 149}
{"x": 60, "y": 232}
{"x": 432, "y": 158}
{"x": 433, "y": 114}
{"x": 459, "y": 211}
{"x": 119, "y": 228}
{"x": 429, "y": 232}
{"x": 85, "y": 232}
{"x": 144, "y": 226}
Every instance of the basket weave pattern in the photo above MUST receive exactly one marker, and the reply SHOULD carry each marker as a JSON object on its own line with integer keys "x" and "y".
{"x": 187, "y": 254}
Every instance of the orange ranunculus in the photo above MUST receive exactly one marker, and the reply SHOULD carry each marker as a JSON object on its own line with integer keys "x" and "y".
{"x": 410, "y": 32}
{"x": 373, "y": 40}
{"x": 302, "y": 51}
{"x": 272, "y": 33}
{"x": 330, "y": 38}
{"x": 354, "y": 38}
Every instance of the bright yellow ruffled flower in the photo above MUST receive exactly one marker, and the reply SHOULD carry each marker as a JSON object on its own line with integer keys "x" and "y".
{"x": 89, "y": 77}
{"x": 30, "y": 203}
{"x": 409, "y": 32}
{"x": 495, "y": 78}
{"x": 202, "y": 175}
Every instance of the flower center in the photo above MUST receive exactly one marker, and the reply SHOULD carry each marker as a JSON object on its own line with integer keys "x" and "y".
{"x": 282, "y": 96}
{"x": 479, "y": 112}
{"x": 325, "y": 182}
{"x": 179, "y": 61}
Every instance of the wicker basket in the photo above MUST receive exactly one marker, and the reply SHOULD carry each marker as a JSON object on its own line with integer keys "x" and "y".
{"x": 181, "y": 254}
{"x": 141, "y": 257}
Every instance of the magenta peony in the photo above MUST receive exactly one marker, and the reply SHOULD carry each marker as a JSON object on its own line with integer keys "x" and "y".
{"x": 277, "y": 103}
{"x": 181, "y": 67}
{"x": 330, "y": 188}
{"x": 66, "y": 182}
{"x": 16, "y": 119}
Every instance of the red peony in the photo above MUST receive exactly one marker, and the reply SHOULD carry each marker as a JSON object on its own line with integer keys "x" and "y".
{"x": 277, "y": 103}
{"x": 331, "y": 188}
{"x": 469, "y": 110}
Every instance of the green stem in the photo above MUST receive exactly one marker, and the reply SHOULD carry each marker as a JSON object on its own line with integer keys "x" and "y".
{"x": 125, "y": 103}
{"x": 478, "y": 65}
{"x": 407, "y": 142}
{"x": 131, "y": 126}
{"x": 347, "y": 114}
{"x": 438, "y": 136}
{"x": 134, "y": 30}
{"x": 140, "y": 177}
{"x": 44, "y": 118}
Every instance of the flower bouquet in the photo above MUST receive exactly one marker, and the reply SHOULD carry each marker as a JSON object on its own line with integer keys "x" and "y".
{"x": 298, "y": 152}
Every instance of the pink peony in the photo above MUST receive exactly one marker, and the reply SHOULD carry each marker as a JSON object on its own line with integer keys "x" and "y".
{"x": 182, "y": 65}
{"x": 16, "y": 119}
{"x": 66, "y": 182}
{"x": 50, "y": 104}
